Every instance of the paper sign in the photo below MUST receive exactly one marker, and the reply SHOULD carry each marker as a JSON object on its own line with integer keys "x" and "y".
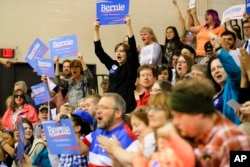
{"x": 248, "y": 6}
{"x": 191, "y": 4}
{"x": 45, "y": 66}
{"x": 112, "y": 11}
{"x": 234, "y": 12}
{"x": 51, "y": 84}
{"x": 61, "y": 137}
{"x": 41, "y": 93}
{"x": 36, "y": 50}
{"x": 63, "y": 46}
{"x": 146, "y": 56}
{"x": 233, "y": 104}
{"x": 20, "y": 146}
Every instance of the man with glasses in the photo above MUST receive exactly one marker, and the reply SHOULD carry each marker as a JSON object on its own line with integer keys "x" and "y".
{"x": 146, "y": 76}
{"x": 110, "y": 112}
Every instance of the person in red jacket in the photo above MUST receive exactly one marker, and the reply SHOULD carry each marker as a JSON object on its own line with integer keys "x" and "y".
{"x": 18, "y": 108}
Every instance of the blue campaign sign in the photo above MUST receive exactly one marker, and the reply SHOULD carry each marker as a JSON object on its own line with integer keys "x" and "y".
{"x": 41, "y": 93}
{"x": 61, "y": 137}
{"x": 248, "y": 6}
{"x": 45, "y": 66}
{"x": 36, "y": 50}
{"x": 63, "y": 46}
{"x": 20, "y": 146}
{"x": 112, "y": 11}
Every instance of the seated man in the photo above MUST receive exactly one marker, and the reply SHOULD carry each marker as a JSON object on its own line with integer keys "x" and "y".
{"x": 109, "y": 114}
{"x": 212, "y": 135}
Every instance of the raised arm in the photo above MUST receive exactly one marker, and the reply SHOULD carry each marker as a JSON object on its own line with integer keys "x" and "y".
{"x": 58, "y": 80}
{"x": 84, "y": 65}
{"x": 195, "y": 17}
{"x": 129, "y": 26}
{"x": 189, "y": 21}
{"x": 96, "y": 30}
{"x": 180, "y": 18}
{"x": 56, "y": 61}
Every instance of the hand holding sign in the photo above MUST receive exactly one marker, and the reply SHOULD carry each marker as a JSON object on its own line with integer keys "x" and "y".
{"x": 191, "y": 4}
{"x": 112, "y": 11}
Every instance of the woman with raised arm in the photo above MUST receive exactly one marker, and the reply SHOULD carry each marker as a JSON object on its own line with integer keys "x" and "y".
{"x": 122, "y": 69}
{"x": 212, "y": 26}
{"x": 79, "y": 84}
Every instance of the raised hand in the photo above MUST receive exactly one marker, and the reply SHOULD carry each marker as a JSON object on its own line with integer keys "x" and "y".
{"x": 96, "y": 25}
{"x": 6, "y": 62}
{"x": 175, "y": 2}
{"x": 128, "y": 20}
{"x": 56, "y": 60}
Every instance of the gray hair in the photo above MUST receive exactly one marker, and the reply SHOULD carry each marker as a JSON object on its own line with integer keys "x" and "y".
{"x": 23, "y": 85}
{"x": 120, "y": 103}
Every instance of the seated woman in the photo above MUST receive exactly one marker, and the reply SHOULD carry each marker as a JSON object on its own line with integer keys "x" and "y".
{"x": 161, "y": 86}
{"x": 18, "y": 108}
{"x": 164, "y": 72}
{"x": 32, "y": 145}
{"x": 183, "y": 67}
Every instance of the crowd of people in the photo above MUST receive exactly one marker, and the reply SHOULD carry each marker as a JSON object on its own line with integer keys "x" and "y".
{"x": 162, "y": 105}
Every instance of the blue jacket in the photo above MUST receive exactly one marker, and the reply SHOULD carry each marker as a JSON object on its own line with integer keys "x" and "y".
{"x": 42, "y": 159}
{"x": 232, "y": 85}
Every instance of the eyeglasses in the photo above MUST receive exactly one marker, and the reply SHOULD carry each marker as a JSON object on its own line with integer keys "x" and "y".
{"x": 247, "y": 27}
{"x": 104, "y": 108}
{"x": 181, "y": 62}
{"x": 154, "y": 109}
{"x": 21, "y": 96}
{"x": 162, "y": 66}
{"x": 146, "y": 75}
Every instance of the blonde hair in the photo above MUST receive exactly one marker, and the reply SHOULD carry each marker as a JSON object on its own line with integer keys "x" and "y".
{"x": 161, "y": 100}
{"x": 150, "y": 31}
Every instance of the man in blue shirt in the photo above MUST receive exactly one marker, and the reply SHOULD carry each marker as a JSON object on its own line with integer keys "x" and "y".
{"x": 110, "y": 112}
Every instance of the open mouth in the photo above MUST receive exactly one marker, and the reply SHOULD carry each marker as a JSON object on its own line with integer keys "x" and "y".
{"x": 99, "y": 119}
{"x": 219, "y": 77}
{"x": 119, "y": 58}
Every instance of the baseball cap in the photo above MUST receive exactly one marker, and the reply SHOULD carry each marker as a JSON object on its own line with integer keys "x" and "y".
{"x": 42, "y": 107}
{"x": 85, "y": 115}
{"x": 208, "y": 47}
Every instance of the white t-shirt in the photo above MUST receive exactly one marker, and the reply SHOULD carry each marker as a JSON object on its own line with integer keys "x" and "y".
{"x": 151, "y": 54}
{"x": 149, "y": 145}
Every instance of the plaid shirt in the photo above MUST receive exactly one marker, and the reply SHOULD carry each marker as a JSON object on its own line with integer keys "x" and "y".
{"x": 212, "y": 149}
{"x": 67, "y": 160}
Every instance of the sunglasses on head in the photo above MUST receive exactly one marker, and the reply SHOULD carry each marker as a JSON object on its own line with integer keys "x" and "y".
{"x": 21, "y": 96}
{"x": 162, "y": 66}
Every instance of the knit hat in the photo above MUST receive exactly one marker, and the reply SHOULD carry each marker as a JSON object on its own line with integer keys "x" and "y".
{"x": 190, "y": 103}
{"x": 192, "y": 96}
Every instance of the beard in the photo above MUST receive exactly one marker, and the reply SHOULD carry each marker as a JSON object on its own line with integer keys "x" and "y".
{"x": 107, "y": 124}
